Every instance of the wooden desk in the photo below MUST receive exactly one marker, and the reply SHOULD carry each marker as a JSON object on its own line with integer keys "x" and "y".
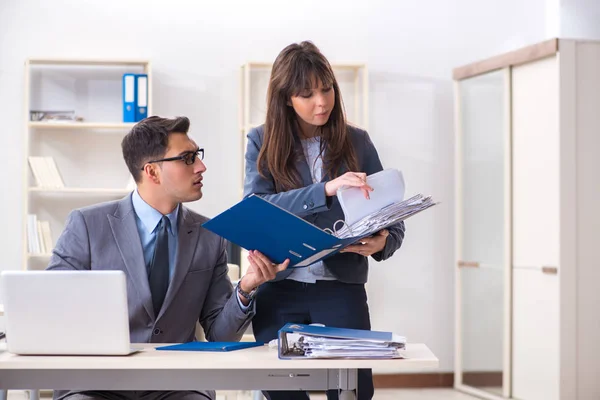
{"x": 255, "y": 368}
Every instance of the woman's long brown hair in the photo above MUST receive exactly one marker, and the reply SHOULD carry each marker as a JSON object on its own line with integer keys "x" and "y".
{"x": 296, "y": 68}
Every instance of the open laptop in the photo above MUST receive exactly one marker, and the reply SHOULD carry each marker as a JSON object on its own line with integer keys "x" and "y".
{"x": 66, "y": 312}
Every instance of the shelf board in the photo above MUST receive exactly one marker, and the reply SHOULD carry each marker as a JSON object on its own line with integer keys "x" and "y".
{"x": 39, "y": 255}
{"x": 83, "y": 191}
{"x": 350, "y": 66}
{"x": 82, "y": 125}
{"x": 67, "y": 61}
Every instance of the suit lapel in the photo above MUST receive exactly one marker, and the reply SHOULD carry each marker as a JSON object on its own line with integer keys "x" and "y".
{"x": 124, "y": 229}
{"x": 189, "y": 231}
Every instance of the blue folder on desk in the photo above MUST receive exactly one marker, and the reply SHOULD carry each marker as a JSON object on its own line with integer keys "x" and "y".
{"x": 256, "y": 224}
{"x": 211, "y": 346}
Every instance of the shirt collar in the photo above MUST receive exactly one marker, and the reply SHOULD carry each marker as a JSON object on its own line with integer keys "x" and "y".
{"x": 150, "y": 217}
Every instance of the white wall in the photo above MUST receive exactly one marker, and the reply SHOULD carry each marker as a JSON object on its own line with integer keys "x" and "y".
{"x": 579, "y": 19}
{"x": 196, "y": 49}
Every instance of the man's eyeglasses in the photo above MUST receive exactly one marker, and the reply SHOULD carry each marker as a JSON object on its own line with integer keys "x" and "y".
{"x": 188, "y": 158}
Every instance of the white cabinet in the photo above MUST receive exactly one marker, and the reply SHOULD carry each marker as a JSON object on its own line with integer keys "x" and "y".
{"x": 535, "y": 356}
{"x": 551, "y": 220}
{"x": 483, "y": 242}
{"x": 536, "y": 228}
{"x": 535, "y": 171}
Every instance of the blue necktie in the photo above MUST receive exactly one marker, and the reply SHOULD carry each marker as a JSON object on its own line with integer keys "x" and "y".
{"x": 159, "y": 266}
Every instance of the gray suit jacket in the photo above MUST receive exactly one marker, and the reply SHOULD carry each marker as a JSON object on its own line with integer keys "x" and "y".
{"x": 105, "y": 237}
{"x": 310, "y": 202}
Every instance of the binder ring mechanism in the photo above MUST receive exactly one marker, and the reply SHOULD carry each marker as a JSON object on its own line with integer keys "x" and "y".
{"x": 335, "y": 230}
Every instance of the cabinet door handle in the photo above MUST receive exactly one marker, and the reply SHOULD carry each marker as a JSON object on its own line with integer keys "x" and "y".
{"x": 467, "y": 264}
{"x": 549, "y": 270}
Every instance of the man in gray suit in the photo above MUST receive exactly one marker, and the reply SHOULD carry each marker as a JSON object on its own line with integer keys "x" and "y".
{"x": 176, "y": 270}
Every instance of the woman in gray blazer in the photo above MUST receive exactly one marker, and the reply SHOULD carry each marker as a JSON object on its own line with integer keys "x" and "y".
{"x": 298, "y": 159}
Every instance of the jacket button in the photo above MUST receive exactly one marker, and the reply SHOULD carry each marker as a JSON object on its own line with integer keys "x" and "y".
{"x": 156, "y": 331}
{"x": 305, "y": 207}
{"x": 311, "y": 204}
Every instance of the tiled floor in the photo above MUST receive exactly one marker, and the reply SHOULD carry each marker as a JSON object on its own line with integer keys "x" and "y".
{"x": 382, "y": 394}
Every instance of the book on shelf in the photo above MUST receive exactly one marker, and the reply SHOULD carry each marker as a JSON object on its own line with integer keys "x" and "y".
{"x": 46, "y": 236}
{"x": 32, "y": 235}
{"x": 39, "y": 236}
{"x": 135, "y": 97}
{"x": 45, "y": 172}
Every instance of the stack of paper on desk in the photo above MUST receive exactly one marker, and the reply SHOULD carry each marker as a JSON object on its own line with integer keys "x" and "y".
{"x": 307, "y": 341}
{"x": 256, "y": 224}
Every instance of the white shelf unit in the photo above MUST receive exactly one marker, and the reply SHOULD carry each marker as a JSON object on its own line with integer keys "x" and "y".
{"x": 353, "y": 80}
{"x": 87, "y": 154}
{"x": 527, "y": 196}
{"x": 82, "y": 125}
{"x": 79, "y": 191}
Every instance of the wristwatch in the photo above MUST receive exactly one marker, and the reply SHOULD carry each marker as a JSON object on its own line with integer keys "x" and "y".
{"x": 246, "y": 295}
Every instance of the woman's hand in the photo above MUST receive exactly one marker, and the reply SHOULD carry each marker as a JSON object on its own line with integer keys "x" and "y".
{"x": 371, "y": 245}
{"x": 354, "y": 179}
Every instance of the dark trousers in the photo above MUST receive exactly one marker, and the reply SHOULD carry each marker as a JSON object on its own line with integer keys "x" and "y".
{"x": 331, "y": 303}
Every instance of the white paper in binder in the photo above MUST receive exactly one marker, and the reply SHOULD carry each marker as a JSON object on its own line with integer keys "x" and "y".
{"x": 388, "y": 188}
{"x": 386, "y": 205}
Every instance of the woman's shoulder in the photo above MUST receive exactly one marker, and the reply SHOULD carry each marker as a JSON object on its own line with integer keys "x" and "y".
{"x": 256, "y": 133}
{"x": 357, "y": 135}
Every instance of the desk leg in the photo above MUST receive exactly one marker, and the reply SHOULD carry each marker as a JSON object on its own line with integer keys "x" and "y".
{"x": 348, "y": 381}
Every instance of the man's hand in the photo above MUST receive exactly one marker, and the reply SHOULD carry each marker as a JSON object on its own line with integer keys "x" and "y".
{"x": 371, "y": 245}
{"x": 261, "y": 270}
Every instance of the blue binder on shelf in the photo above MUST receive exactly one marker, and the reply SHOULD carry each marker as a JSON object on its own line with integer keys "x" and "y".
{"x": 300, "y": 340}
{"x": 211, "y": 346}
{"x": 129, "y": 97}
{"x": 284, "y": 236}
{"x": 141, "y": 97}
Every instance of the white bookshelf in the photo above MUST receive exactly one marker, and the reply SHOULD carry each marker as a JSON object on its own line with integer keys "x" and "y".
{"x": 87, "y": 154}
{"x": 122, "y": 126}
{"x": 353, "y": 80}
{"x": 98, "y": 192}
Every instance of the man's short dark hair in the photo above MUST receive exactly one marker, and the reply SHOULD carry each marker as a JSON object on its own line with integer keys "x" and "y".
{"x": 148, "y": 140}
